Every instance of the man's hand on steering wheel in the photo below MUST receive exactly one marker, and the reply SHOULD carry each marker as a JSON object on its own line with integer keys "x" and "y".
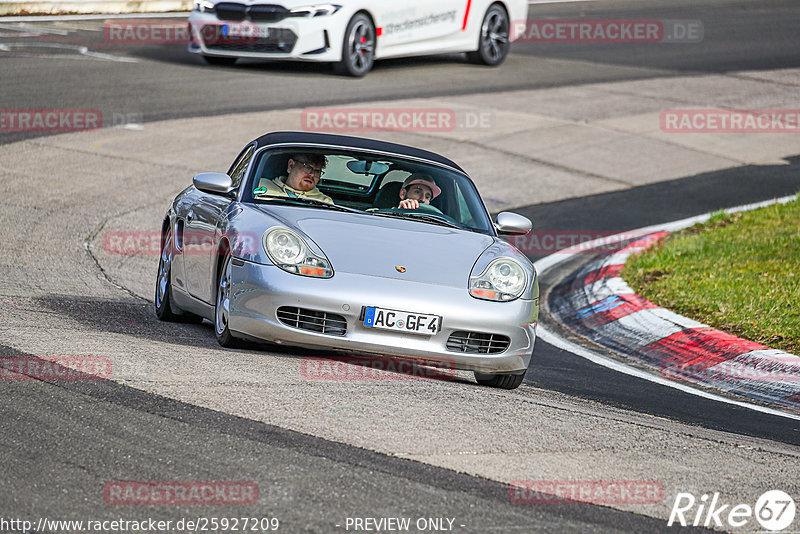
{"x": 412, "y": 204}
{"x": 409, "y": 204}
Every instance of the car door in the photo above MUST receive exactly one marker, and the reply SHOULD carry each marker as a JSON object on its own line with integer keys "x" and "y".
{"x": 201, "y": 237}
{"x": 415, "y": 21}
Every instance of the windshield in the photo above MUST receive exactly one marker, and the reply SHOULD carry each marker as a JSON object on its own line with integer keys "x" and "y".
{"x": 368, "y": 183}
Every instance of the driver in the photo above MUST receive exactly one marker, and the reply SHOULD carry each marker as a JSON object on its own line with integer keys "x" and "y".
{"x": 418, "y": 188}
{"x": 303, "y": 173}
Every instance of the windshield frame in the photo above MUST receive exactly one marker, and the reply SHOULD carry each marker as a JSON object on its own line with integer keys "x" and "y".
{"x": 467, "y": 181}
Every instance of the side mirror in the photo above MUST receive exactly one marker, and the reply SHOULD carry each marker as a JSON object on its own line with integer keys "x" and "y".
{"x": 217, "y": 183}
{"x": 512, "y": 224}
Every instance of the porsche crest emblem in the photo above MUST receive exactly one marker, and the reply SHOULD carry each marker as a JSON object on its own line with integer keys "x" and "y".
{"x": 400, "y": 268}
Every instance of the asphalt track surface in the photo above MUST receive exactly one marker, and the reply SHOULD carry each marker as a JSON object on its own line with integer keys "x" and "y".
{"x": 169, "y": 83}
{"x": 70, "y": 437}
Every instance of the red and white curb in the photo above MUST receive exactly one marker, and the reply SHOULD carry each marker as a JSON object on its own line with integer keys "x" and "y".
{"x": 596, "y": 303}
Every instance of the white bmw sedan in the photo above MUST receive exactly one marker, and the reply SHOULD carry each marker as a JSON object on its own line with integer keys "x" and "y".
{"x": 352, "y": 34}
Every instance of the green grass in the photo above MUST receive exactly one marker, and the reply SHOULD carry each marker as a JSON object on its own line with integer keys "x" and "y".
{"x": 739, "y": 273}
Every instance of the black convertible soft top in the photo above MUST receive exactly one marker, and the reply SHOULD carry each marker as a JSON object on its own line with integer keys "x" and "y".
{"x": 354, "y": 142}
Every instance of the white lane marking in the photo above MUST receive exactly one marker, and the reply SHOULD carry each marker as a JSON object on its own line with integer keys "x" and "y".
{"x": 49, "y": 18}
{"x": 18, "y": 35}
{"x": 547, "y": 263}
{"x": 553, "y": 339}
{"x": 31, "y": 30}
{"x": 82, "y": 50}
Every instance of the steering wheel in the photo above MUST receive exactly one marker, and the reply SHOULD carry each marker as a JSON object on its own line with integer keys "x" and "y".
{"x": 428, "y": 209}
{"x": 423, "y": 209}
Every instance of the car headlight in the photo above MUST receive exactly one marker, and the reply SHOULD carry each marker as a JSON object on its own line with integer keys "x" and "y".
{"x": 503, "y": 279}
{"x": 317, "y": 10}
{"x": 291, "y": 253}
{"x": 204, "y": 6}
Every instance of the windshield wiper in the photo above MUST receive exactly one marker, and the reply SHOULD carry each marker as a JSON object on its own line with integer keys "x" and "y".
{"x": 308, "y": 201}
{"x": 422, "y": 216}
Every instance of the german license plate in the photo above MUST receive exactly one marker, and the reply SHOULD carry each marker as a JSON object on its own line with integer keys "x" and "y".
{"x": 245, "y": 30}
{"x": 400, "y": 321}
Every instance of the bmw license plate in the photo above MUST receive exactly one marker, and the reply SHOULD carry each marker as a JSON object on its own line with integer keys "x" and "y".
{"x": 245, "y": 30}
{"x": 400, "y": 321}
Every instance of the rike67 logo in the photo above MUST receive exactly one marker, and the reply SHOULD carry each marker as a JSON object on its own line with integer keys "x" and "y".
{"x": 774, "y": 510}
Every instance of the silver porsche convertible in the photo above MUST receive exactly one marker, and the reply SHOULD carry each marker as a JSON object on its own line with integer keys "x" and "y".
{"x": 337, "y": 263}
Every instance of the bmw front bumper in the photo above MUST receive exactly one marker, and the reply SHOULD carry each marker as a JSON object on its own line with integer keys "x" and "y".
{"x": 301, "y": 38}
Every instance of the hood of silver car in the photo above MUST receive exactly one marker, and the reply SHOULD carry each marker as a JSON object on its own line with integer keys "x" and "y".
{"x": 393, "y": 248}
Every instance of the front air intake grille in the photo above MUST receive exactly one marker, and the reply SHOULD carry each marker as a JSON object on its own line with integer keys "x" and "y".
{"x": 314, "y": 320}
{"x": 280, "y": 40}
{"x": 477, "y": 342}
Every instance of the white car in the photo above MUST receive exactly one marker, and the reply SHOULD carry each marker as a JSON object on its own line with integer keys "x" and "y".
{"x": 353, "y": 34}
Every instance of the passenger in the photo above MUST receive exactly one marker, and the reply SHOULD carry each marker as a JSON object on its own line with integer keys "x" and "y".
{"x": 303, "y": 173}
{"x": 418, "y": 188}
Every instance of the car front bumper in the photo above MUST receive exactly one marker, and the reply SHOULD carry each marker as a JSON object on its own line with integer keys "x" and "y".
{"x": 259, "y": 290}
{"x": 306, "y": 39}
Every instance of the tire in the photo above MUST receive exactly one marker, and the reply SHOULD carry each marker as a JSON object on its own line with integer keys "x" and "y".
{"x": 493, "y": 43}
{"x": 222, "y": 307}
{"x": 165, "y": 309}
{"x": 499, "y": 380}
{"x": 358, "y": 47}
{"x": 220, "y": 61}
{"x": 163, "y": 297}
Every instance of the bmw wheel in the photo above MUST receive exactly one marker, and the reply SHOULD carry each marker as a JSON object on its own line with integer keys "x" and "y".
{"x": 358, "y": 49}
{"x": 494, "y": 42}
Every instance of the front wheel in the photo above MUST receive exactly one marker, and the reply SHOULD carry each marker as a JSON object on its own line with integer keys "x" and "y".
{"x": 494, "y": 42}
{"x": 358, "y": 48}
{"x": 222, "y": 310}
{"x": 499, "y": 380}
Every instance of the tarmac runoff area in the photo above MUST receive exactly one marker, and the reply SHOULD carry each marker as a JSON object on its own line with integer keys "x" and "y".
{"x": 533, "y": 146}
